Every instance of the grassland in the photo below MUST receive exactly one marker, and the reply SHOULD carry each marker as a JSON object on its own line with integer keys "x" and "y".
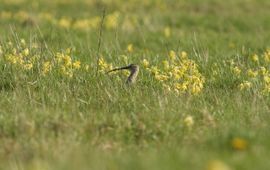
{"x": 66, "y": 115}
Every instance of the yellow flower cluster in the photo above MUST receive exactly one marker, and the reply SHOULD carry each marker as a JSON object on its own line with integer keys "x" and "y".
{"x": 19, "y": 55}
{"x": 245, "y": 85}
{"x": 87, "y": 24}
{"x": 111, "y": 21}
{"x": 255, "y": 74}
{"x": 103, "y": 65}
{"x": 26, "y": 57}
{"x": 178, "y": 73}
{"x": 46, "y": 67}
{"x": 65, "y": 64}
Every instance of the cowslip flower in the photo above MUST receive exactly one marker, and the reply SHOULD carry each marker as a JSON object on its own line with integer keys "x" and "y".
{"x": 188, "y": 121}
{"x": 130, "y": 48}
{"x": 263, "y": 71}
{"x": 145, "y": 63}
{"x": 245, "y": 85}
{"x": 28, "y": 66}
{"x": 64, "y": 22}
{"x": 217, "y": 165}
{"x": 112, "y": 20}
{"x": 172, "y": 55}
{"x": 77, "y": 65}
{"x": 183, "y": 54}
{"x": 166, "y": 65}
{"x": 67, "y": 60}
{"x": 236, "y": 70}
{"x": 46, "y": 67}
{"x": 252, "y": 73}
{"x": 86, "y": 67}
{"x": 25, "y": 52}
{"x": 167, "y": 32}
{"x": 266, "y": 79}
{"x": 255, "y": 58}
{"x": 23, "y": 43}
{"x": 239, "y": 143}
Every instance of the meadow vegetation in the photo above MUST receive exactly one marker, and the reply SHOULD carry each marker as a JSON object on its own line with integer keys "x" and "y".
{"x": 201, "y": 100}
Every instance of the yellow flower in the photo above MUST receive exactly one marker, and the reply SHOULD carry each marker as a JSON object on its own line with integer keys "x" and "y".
{"x": 23, "y": 43}
{"x": 266, "y": 88}
{"x": 68, "y": 51}
{"x": 161, "y": 77}
{"x": 266, "y": 79}
{"x": 64, "y": 22}
{"x": 188, "y": 121}
{"x": 14, "y": 51}
{"x": 255, "y": 58}
{"x": 217, "y": 165}
{"x": 86, "y": 67}
{"x": 11, "y": 59}
{"x": 67, "y": 60}
{"x": 183, "y": 55}
{"x": 167, "y": 32}
{"x": 130, "y": 48}
{"x": 82, "y": 24}
{"x": 239, "y": 143}
{"x": 181, "y": 86}
{"x": 66, "y": 72}
{"x": 266, "y": 58}
{"x": 125, "y": 58}
{"x": 59, "y": 57}
{"x": 94, "y": 22}
{"x": 10, "y": 44}
{"x": 46, "y": 67}
{"x": 103, "y": 65}
{"x": 145, "y": 63}
{"x": 154, "y": 70}
{"x": 172, "y": 55}
{"x": 196, "y": 89}
{"x": 236, "y": 71}
{"x": 166, "y": 65}
{"x": 112, "y": 20}
{"x": 263, "y": 70}
{"x": 245, "y": 85}
{"x": 25, "y": 52}
{"x": 28, "y": 66}
{"x": 252, "y": 73}
{"x": 77, "y": 64}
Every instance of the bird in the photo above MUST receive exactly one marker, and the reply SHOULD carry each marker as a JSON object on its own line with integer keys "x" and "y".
{"x": 134, "y": 70}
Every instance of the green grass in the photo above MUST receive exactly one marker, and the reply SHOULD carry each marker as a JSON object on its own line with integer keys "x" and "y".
{"x": 97, "y": 122}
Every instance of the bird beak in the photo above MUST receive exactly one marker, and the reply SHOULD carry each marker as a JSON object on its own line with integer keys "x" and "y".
{"x": 121, "y": 68}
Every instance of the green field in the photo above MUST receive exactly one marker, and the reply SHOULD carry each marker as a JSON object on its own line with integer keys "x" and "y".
{"x": 201, "y": 99}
